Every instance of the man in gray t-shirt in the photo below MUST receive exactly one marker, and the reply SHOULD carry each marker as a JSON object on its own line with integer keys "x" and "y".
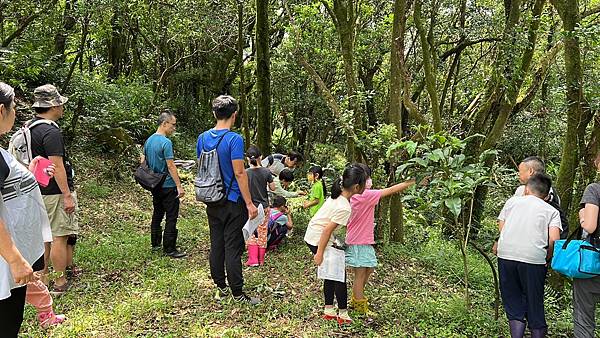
{"x": 278, "y": 162}
{"x": 528, "y": 228}
{"x": 586, "y": 292}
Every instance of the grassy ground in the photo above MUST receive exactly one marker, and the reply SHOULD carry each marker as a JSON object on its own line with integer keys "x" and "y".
{"x": 128, "y": 291}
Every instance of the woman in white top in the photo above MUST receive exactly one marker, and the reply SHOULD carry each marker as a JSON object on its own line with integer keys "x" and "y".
{"x": 333, "y": 215}
{"x": 21, "y": 243}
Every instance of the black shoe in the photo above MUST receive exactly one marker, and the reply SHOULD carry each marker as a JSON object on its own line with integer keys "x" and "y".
{"x": 222, "y": 292}
{"x": 176, "y": 254}
{"x": 244, "y": 298}
{"x": 156, "y": 248}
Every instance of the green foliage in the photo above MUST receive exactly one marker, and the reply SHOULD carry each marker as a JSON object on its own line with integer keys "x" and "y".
{"x": 123, "y": 103}
{"x": 453, "y": 176}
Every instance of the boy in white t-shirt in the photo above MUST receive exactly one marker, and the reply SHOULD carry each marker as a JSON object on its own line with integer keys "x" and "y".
{"x": 528, "y": 228}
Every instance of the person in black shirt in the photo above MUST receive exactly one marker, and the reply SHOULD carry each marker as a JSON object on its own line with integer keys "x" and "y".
{"x": 59, "y": 196}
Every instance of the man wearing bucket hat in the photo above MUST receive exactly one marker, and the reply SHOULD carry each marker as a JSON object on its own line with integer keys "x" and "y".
{"x": 59, "y": 196}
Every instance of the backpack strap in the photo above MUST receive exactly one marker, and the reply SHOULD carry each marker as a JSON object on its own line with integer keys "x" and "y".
{"x": 276, "y": 216}
{"x": 218, "y": 143}
{"x": 27, "y": 136}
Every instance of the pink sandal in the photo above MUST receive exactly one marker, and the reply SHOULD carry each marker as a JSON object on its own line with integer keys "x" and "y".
{"x": 48, "y": 319}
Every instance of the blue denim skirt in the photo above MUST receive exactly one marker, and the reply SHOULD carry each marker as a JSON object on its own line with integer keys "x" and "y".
{"x": 361, "y": 256}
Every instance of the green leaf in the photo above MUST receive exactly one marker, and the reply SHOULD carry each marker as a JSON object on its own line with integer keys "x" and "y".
{"x": 453, "y": 204}
{"x": 411, "y": 147}
{"x": 402, "y": 168}
{"x": 421, "y": 162}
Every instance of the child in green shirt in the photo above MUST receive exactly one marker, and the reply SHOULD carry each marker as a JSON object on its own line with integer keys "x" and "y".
{"x": 316, "y": 198}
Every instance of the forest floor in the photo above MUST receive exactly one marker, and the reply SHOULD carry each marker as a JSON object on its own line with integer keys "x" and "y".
{"x": 126, "y": 290}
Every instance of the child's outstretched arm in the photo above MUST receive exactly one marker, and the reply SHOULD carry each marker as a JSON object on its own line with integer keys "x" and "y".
{"x": 400, "y": 187}
{"x": 323, "y": 242}
{"x": 310, "y": 203}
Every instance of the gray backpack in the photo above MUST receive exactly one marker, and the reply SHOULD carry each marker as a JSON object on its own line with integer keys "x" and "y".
{"x": 20, "y": 143}
{"x": 209, "y": 185}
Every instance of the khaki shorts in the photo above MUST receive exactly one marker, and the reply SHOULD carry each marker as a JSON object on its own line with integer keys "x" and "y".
{"x": 61, "y": 223}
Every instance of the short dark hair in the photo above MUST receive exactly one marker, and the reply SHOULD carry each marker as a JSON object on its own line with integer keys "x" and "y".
{"x": 7, "y": 95}
{"x": 295, "y": 156}
{"x": 224, "y": 106}
{"x": 41, "y": 110}
{"x": 165, "y": 116}
{"x": 540, "y": 184}
{"x": 535, "y": 163}
{"x": 253, "y": 153}
{"x": 278, "y": 201}
{"x": 286, "y": 175}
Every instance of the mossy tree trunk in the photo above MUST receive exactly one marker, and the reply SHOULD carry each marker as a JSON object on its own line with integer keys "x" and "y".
{"x": 242, "y": 113}
{"x": 117, "y": 47}
{"x": 263, "y": 76}
{"x": 394, "y": 114}
{"x": 568, "y": 10}
{"x": 429, "y": 67}
{"x": 67, "y": 24}
{"x": 344, "y": 16}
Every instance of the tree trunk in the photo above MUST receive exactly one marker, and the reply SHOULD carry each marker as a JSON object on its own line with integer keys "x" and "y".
{"x": 84, "y": 34}
{"x": 394, "y": 115}
{"x": 569, "y": 14}
{"x": 343, "y": 15}
{"x": 116, "y": 49}
{"x": 242, "y": 95}
{"x": 429, "y": 67}
{"x": 367, "y": 74}
{"x": 60, "y": 40}
{"x": 263, "y": 76}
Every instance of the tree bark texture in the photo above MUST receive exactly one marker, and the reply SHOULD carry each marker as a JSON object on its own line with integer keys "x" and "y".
{"x": 263, "y": 76}
{"x": 569, "y": 14}
{"x": 68, "y": 22}
{"x": 243, "y": 114}
{"x": 394, "y": 115}
{"x": 344, "y": 17}
{"x": 429, "y": 67}
{"x": 116, "y": 49}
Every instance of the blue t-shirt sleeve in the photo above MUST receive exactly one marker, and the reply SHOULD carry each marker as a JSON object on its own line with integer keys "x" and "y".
{"x": 237, "y": 147}
{"x": 168, "y": 150}
{"x": 199, "y": 146}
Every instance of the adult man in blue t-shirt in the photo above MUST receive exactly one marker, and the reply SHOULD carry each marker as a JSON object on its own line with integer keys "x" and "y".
{"x": 227, "y": 220}
{"x": 158, "y": 152}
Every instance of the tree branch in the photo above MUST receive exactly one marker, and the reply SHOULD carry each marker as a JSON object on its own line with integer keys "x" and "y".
{"x": 590, "y": 11}
{"x": 538, "y": 78}
{"x": 19, "y": 31}
{"x": 331, "y": 13}
{"x": 464, "y": 44}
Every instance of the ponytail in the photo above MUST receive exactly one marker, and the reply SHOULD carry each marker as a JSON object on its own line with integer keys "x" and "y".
{"x": 253, "y": 154}
{"x": 353, "y": 175}
{"x": 336, "y": 188}
{"x": 319, "y": 171}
